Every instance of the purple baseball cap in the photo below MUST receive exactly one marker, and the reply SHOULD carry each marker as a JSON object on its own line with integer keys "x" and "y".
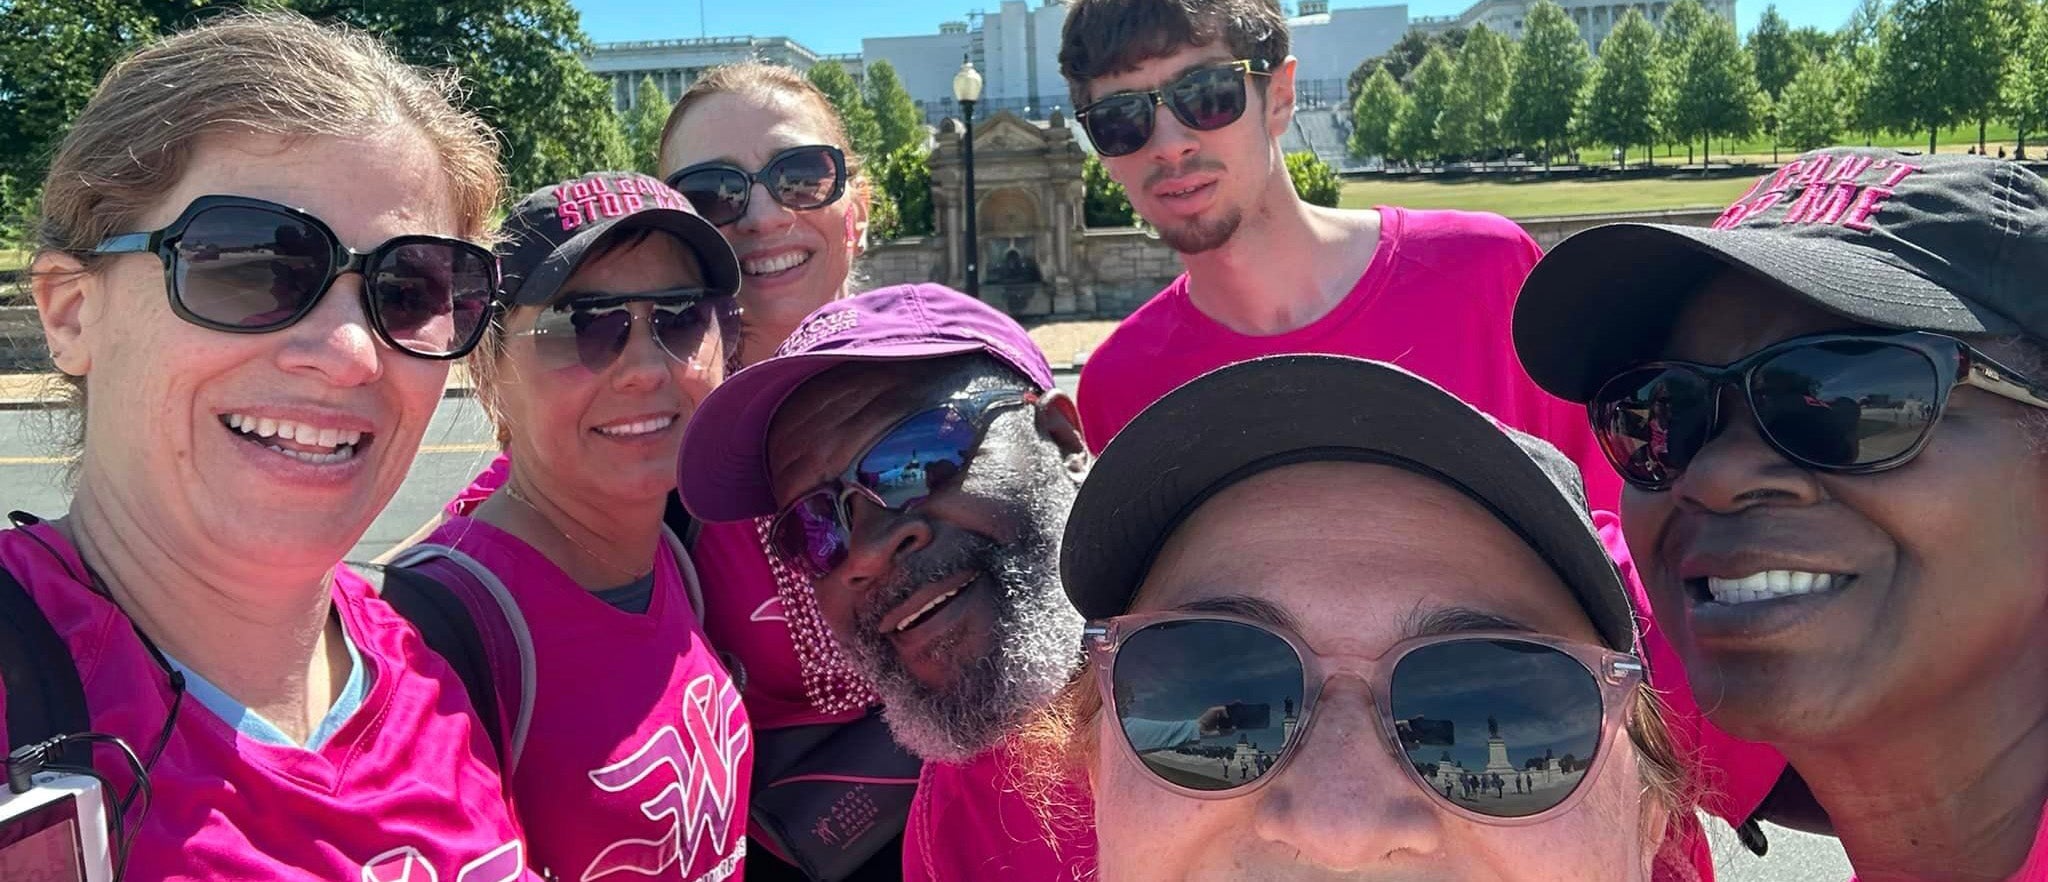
{"x": 722, "y": 472}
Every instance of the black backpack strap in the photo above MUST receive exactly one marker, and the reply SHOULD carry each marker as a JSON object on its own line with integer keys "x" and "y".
{"x": 678, "y": 520}
{"x": 449, "y": 630}
{"x": 45, "y": 697}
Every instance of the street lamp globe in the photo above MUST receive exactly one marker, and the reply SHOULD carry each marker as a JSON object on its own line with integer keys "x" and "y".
{"x": 967, "y": 83}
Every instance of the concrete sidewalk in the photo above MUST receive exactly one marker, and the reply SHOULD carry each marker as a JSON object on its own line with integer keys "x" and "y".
{"x": 45, "y": 391}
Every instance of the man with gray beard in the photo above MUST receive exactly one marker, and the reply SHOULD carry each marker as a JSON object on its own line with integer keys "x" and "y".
{"x": 911, "y": 457}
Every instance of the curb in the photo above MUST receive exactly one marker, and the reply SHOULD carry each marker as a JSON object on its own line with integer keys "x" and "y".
{"x": 20, "y": 404}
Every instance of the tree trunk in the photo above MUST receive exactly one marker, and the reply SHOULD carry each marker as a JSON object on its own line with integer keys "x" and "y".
{"x": 1981, "y": 122}
{"x": 2021, "y": 153}
{"x": 1706, "y": 157}
{"x": 1931, "y": 132}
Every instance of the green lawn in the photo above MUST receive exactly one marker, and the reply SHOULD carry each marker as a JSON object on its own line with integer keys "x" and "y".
{"x": 1540, "y": 198}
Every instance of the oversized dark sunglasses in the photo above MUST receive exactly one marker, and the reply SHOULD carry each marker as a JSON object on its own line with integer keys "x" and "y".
{"x": 248, "y": 266}
{"x": 1846, "y": 403}
{"x": 1498, "y": 726}
{"x": 917, "y": 457}
{"x": 799, "y": 179}
{"x": 593, "y": 331}
{"x": 1204, "y": 100}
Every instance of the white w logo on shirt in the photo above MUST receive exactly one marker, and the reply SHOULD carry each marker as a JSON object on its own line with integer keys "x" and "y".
{"x": 699, "y": 784}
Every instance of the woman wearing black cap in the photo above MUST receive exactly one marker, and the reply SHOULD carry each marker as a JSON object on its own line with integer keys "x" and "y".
{"x": 620, "y": 729}
{"x": 1343, "y": 626}
{"x": 1844, "y": 534}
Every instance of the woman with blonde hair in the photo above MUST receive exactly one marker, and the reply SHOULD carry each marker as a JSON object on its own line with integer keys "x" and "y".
{"x": 256, "y": 260}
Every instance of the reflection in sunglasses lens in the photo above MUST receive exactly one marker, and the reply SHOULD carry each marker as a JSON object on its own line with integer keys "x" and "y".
{"x": 1211, "y": 99}
{"x": 807, "y": 537}
{"x": 1120, "y": 125}
{"x": 805, "y": 179}
{"x": 1652, "y": 421}
{"x": 1500, "y": 727}
{"x": 1207, "y": 705}
{"x": 249, "y": 267}
{"x": 718, "y": 194}
{"x": 1846, "y": 403}
{"x": 918, "y": 458}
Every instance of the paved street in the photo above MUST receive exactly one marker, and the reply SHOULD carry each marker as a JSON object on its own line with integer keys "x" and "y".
{"x": 459, "y": 443}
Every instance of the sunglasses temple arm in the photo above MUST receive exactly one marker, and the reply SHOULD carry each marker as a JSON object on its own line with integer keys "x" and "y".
{"x": 125, "y": 243}
{"x": 1997, "y": 380}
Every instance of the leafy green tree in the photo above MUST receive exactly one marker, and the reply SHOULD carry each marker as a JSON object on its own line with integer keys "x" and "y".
{"x": 904, "y": 183}
{"x": 2026, "y": 83}
{"x": 862, "y": 129}
{"x": 1550, "y": 73}
{"x": 1776, "y": 57}
{"x": 1621, "y": 102}
{"x": 1716, "y": 91}
{"x": 1314, "y": 179}
{"x": 1104, "y": 202}
{"x": 1862, "y": 28}
{"x": 1415, "y": 131}
{"x": 643, "y": 126}
{"x": 53, "y": 54}
{"x": 1681, "y": 22}
{"x": 1473, "y": 114}
{"x": 1405, "y": 56}
{"x": 1810, "y": 112}
{"x": 1943, "y": 64}
{"x": 1373, "y": 115}
{"x": 896, "y": 115}
{"x": 1814, "y": 44}
{"x": 521, "y": 61}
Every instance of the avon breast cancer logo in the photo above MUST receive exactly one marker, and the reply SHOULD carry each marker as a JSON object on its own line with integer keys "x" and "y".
{"x": 693, "y": 777}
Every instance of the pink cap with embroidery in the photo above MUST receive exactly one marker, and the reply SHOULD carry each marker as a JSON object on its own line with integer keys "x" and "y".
{"x": 722, "y": 471}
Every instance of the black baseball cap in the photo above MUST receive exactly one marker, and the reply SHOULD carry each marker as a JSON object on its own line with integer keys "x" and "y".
{"x": 1950, "y": 243}
{"x": 547, "y": 235}
{"x": 1253, "y": 416}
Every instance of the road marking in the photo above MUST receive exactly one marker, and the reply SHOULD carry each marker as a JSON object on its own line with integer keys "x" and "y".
{"x": 425, "y": 450}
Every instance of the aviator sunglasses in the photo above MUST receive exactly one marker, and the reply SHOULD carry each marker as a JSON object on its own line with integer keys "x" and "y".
{"x": 799, "y": 179}
{"x": 916, "y": 458}
{"x": 1501, "y": 727}
{"x": 592, "y": 332}
{"x": 1205, "y": 100}
{"x": 1845, "y": 403}
{"x": 248, "y": 266}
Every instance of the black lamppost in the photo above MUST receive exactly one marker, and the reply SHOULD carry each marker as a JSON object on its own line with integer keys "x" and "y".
{"x": 967, "y": 89}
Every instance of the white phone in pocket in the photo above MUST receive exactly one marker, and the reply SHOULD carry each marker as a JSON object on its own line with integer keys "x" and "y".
{"x": 55, "y": 832}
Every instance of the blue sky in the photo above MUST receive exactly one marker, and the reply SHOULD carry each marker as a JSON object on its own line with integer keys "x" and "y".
{"x": 839, "y": 25}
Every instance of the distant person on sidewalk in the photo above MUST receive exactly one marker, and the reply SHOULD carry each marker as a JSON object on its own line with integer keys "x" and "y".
{"x": 1432, "y": 291}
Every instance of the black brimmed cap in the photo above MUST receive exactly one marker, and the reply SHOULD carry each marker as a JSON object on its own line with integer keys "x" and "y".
{"x": 1950, "y": 243}
{"x": 1241, "y": 420}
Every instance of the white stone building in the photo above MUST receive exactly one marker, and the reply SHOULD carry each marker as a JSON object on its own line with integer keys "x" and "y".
{"x": 1016, "y": 47}
{"x": 1595, "y": 18}
{"x": 674, "y": 64}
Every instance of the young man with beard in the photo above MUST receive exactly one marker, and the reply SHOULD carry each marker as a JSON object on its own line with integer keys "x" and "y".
{"x": 919, "y": 466}
{"x": 1185, "y": 101}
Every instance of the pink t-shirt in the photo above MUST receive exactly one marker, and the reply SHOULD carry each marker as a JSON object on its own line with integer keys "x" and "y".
{"x": 1438, "y": 299}
{"x": 407, "y": 788}
{"x": 978, "y": 822}
{"x": 764, "y": 615}
{"x": 640, "y": 755}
